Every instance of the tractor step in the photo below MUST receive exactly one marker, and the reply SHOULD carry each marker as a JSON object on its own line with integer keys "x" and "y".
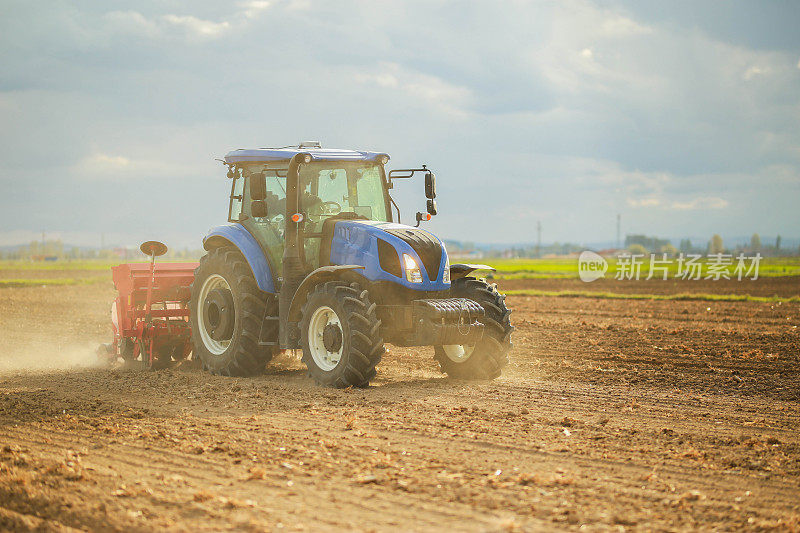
{"x": 269, "y": 331}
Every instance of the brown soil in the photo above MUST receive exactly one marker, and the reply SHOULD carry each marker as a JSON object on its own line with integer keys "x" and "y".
{"x": 614, "y": 414}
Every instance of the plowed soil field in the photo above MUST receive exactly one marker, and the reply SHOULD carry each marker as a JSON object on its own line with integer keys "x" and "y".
{"x": 613, "y": 415}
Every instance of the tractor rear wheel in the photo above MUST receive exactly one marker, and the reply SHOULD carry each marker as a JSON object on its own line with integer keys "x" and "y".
{"x": 341, "y": 335}
{"x": 486, "y": 358}
{"x": 225, "y": 313}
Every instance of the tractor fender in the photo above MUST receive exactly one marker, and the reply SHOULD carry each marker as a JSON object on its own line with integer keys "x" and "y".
{"x": 321, "y": 274}
{"x": 460, "y": 270}
{"x": 236, "y": 235}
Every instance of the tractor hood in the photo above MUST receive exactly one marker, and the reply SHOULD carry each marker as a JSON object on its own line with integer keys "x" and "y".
{"x": 380, "y": 248}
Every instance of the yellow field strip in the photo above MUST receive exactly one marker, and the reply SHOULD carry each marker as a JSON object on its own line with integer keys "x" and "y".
{"x": 39, "y": 282}
{"x": 681, "y": 296}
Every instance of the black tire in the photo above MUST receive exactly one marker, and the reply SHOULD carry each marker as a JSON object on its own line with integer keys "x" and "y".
{"x": 126, "y": 348}
{"x": 163, "y": 358}
{"x": 243, "y": 356}
{"x": 361, "y": 340}
{"x": 490, "y": 354}
{"x": 172, "y": 353}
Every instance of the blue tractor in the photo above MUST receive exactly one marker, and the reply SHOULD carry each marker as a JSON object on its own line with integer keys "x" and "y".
{"x": 314, "y": 259}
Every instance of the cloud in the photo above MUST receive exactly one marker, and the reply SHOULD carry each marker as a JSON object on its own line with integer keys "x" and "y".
{"x": 97, "y": 164}
{"x": 116, "y": 168}
{"x": 752, "y": 72}
{"x": 193, "y": 27}
{"x": 253, "y": 9}
{"x": 701, "y": 203}
{"x": 704, "y": 203}
{"x": 106, "y": 167}
{"x": 567, "y": 112}
{"x": 617, "y": 25}
{"x": 196, "y": 26}
{"x": 129, "y": 22}
{"x": 416, "y": 86}
{"x": 644, "y": 202}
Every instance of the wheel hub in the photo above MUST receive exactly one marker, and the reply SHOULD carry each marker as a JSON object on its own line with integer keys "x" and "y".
{"x": 458, "y": 353}
{"x": 325, "y": 338}
{"x": 332, "y": 337}
{"x": 218, "y": 312}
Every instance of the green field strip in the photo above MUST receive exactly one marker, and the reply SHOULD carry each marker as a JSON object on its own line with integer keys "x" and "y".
{"x": 568, "y": 268}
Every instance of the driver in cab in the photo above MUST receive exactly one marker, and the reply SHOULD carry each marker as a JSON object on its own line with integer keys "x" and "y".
{"x": 323, "y": 194}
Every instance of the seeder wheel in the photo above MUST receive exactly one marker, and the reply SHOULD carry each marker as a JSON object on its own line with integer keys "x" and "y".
{"x": 126, "y": 349}
{"x": 106, "y": 354}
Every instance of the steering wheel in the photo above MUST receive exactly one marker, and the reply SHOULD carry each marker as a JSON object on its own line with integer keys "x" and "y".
{"x": 324, "y": 209}
{"x": 336, "y": 208}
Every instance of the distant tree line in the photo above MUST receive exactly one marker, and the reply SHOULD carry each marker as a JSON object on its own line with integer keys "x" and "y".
{"x": 54, "y": 250}
{"x": 715, "y": 245}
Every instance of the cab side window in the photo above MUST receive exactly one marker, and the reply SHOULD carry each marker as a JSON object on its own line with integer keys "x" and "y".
{"x": 274, "y": 197}
{"x": 276, "y": 203}
{"x": 235, "y": 206}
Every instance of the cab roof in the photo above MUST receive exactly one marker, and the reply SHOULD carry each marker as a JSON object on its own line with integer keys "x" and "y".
{"x": 317, "y": 153}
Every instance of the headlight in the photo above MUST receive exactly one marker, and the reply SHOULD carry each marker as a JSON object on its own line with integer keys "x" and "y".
{"x": 413, "y": 273}
{"x": 446, "y": 275}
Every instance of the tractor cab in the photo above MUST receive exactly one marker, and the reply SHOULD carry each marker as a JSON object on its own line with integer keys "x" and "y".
{"x": 329, "y": 191}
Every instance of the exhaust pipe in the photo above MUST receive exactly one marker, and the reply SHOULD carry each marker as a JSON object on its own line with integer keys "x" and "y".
{"x": 293, "y": 270}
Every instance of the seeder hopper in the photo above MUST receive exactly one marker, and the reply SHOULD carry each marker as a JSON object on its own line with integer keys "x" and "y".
{"x": 150, "y": 316}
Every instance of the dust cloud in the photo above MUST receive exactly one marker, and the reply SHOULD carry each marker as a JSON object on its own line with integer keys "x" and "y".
{"x": 45, "y": 354}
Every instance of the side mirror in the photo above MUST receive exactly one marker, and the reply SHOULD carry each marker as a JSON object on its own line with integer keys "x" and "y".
{"x": 258, "y": 208}
{"x": 430, "y": 186}
{"x": 432, "y": 207}
{"x": 258, "y": 187}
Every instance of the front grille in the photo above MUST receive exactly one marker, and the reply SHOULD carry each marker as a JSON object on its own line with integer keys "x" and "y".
{"x": 426, "y": 245}
{"x": 449, "y": 309}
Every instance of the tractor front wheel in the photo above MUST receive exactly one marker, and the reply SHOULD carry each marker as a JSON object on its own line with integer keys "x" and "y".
{"x": 225, "y": 313}
{"x": 486, "y": 358}
{"x": 341, "y": 335}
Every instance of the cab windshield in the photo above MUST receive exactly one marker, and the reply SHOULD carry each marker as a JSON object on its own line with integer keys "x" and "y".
{"x": 353, "y": 190}
{"x": 330, "y": 188}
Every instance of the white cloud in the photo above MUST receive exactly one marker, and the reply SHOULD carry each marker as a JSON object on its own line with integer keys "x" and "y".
{"x": 616, "y": 25}
{"x": 101, "y": 165}
{"x": 107, "y": 167}
{"x": 196, "y": 26}
{"x": 431, "y": 90}
{"x": 254, "y": 9}
{"x": 299, "y": 5}
{"x": 752, "y": 72}
{"x": 701, "y": 203}
{"x": 130, "y": 22}
{"x": 644, "y": 202}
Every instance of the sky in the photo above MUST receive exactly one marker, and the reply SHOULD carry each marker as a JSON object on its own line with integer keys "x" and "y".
{"x": 682, "y": 117}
